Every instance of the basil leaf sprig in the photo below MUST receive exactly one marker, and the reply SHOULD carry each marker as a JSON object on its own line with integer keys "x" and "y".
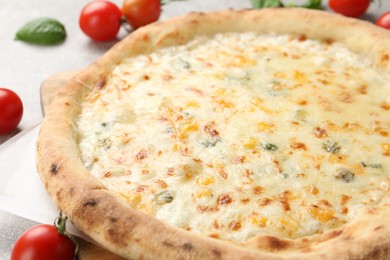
{"x": 311, "y": 4}
{"x": 266, "y": 3}
{"x": 42, "y": 31}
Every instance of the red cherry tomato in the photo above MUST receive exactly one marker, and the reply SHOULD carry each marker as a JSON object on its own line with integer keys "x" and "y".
{"x": 351, "y": 8}
{"x": 11, "y": 110}
{"x": 43, "y": 242}
{"x": 100, "y": 20}
{"x": 384, "y": 20}
{"x": 141, "y": 12}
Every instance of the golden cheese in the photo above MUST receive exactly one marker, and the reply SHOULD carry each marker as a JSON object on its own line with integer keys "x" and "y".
{"x": 243, "y": 134}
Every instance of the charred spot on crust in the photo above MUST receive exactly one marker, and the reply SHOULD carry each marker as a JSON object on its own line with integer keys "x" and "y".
{"x": 378, "y": 228}
{"x": 302, "y": 37}
{"x": 54, "y": 168}
{"x": 59, "y": 194}
{"x": 187, "y": 246}
{"x": 276, "y": 243}
{"x": 101, "y": 84}
{"x": 119, "y": 230}
{"x": 71, "y": 191}
{"x": 117, "y": 237}
{"x": 216, "y": 253}
{"x": 90, "y": 202}
{"x": 377, "y": 253}
{"x": 113, "y": 219}
{"x": 167, "y": 243}
{"x": 328, "y": 41}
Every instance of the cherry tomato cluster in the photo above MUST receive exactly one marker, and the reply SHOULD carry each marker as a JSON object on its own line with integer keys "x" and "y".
{"x": 101, "y": 20}
{"x": 357, "y": 8}
{"x": 11, "y": 110}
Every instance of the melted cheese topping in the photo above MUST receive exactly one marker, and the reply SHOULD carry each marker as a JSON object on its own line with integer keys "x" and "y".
{"x": 243, "y": 134}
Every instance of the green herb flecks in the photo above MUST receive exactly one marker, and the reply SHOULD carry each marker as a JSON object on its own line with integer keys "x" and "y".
{"x": 285, "y": 175}
{"x": 269, "y": 146}
{"x": 211, "y": 143}
{"x": 182, "y": 64}
{"x": 42, "y": 31}
{"x": 331, "y": 147}
{"x": 372, "y": 165}
{"x": 311, "y": 4}
{"x": 344, "y": 175}
{"x": 164, "y": 197}
{"x": 105, "y": 143}
{"x": 266, "y": 3}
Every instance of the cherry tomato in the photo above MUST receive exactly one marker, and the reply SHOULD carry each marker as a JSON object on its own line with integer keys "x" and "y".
{"x": 100, "y": 20}
{"x": 141, "y": 12}
{"x": 351, "y": 8}
{"x": 384, "y": 20}
{"x": 43, "y": 242}
{"x": 11, "y": 110}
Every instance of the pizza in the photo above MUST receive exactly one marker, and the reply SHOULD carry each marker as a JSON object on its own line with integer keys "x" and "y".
{"x": 229, "y": 135}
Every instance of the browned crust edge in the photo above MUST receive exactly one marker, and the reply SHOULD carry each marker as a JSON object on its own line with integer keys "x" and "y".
{"x": 127, "y": 232}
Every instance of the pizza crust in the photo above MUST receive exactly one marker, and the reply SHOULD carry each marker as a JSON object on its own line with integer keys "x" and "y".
{"x": 132, "y": 234}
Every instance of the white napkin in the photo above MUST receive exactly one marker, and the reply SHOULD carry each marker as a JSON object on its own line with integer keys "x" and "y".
{"x": 21, "y": 190}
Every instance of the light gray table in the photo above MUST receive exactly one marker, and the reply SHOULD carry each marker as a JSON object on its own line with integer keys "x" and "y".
{"x": 24, "y": 67}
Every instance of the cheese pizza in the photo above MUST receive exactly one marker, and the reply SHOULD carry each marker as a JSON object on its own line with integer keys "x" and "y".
{"x": 237, "y": 134}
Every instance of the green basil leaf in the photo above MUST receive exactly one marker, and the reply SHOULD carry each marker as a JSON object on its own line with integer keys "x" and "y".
{"x": 164, "y": 2}
{"x": 313, "y": 4}
{"x": 43, "y": 31}
{"x": 266, "y": 3}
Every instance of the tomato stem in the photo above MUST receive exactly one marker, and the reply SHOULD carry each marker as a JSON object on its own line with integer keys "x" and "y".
{"x": 60, "y": 224}
{"x": 126, "y": 25}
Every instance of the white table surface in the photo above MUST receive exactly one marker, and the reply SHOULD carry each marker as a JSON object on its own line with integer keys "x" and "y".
{"x": 24, "y": 66}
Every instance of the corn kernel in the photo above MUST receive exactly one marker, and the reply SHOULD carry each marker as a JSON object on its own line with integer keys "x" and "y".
{"x": 203, "y": 193}
{"x": 224, "y": 103}
{"x": 336, "y": 158}
{"x": 256, "y": 101}
{"x": 205, "y": 180}
{"x": 191, "y": 128}
{"x": 299, "y": 76}
{"x": 259, "y": 220}
{"x": 386, "y": 149}
{"x": 322, "y": 214}
{"x": 252, "y": 143}
{"x": 357, "y": 168}
{"x": 312, "y": 189}
{"x": 280, "y": 75}
{"x": 261, "y": 126}
{"x": 192, "y": 104}
{"x": 289, "y": 223}
{"x": 241, "y": 61}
